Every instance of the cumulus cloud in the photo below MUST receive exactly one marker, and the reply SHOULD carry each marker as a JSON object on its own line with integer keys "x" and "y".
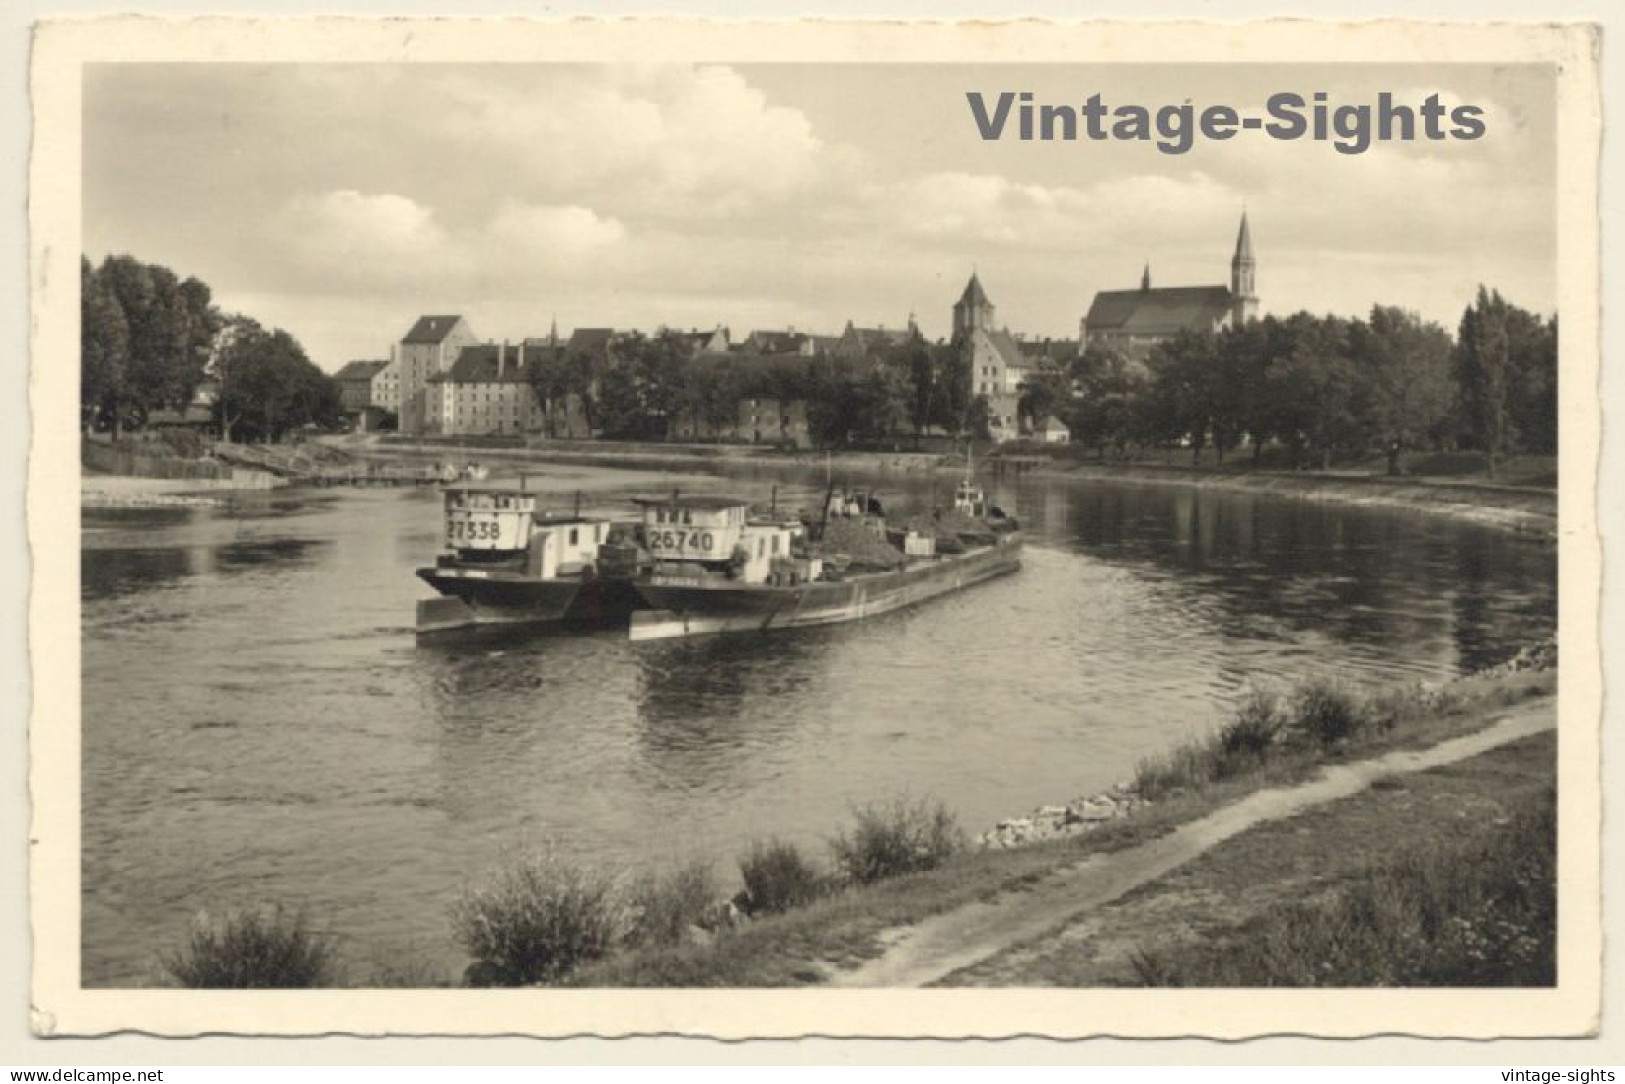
{"x": 349, "y": 233}
{"x": 670, "y": 140}
{"x": 542, "y": 230}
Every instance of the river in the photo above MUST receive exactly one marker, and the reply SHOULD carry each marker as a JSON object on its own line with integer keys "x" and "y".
{"x": 259, "y": 724}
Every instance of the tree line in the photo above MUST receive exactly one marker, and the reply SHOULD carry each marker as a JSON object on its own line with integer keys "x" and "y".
{"x": 149, "y": 340}
{"x": 1322, "y": 387}
{"x": 646, "y": 386}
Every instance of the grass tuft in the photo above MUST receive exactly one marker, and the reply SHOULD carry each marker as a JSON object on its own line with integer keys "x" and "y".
{"x": 896, "y": 838}
{"x": 266, "y": 949}
{"x": 1255, "y": 728}
{"x": 535, "y": 918}
{"x": 1326, "y": 713}
{"x": 778, "y": 877}
{"x": 664, "y": 909}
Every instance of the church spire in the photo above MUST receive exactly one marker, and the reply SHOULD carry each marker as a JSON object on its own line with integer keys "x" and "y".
{"x": 1244, "y": 240}
{"x": 1243, "y": 289}
{"x": 1145, "y": 277}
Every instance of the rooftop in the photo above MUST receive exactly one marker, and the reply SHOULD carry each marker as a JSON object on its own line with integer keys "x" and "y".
{"x": 431, "y": 329}
{"x": 479, "y": 364}
{"x": 359, "y": 370}
{"x": 1161, "y": 309}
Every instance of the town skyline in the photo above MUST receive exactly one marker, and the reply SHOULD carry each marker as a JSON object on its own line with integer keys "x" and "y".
{"x": 772, "y": 196}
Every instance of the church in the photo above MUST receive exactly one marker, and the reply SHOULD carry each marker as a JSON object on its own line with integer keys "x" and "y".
{"x": 1133, "y": 321}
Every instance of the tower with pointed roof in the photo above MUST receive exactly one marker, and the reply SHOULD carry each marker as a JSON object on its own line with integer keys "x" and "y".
{"x": 1243, "y": 293}
{"x": 973, "y": 310}
{"x": 993, "y": 357}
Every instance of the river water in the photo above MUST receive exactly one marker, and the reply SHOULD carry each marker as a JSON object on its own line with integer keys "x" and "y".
{"x": 259, "y": 724}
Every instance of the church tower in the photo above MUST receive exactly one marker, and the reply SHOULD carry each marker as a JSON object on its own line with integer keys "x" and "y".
{"x": 1243, "y": 292}
{"x": 973, "y": 310}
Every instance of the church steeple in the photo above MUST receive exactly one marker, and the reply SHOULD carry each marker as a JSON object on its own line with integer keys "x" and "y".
{"x": 1243, "y": 289}
{"x": 973, "y": 309}
{"x": 1145, "y": 277}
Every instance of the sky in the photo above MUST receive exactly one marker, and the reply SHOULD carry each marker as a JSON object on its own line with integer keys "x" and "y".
{"x": 342, "y": 201}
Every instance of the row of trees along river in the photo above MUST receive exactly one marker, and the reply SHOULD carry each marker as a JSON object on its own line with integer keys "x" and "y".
{"x": 149, "y": 339}
{"x": 1321, "y": 387}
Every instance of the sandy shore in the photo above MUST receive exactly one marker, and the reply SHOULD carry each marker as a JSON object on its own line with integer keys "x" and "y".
{"x": 122, "y": 491}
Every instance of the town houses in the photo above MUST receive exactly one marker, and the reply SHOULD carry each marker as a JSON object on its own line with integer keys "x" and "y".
{"x": 441, "y": 379}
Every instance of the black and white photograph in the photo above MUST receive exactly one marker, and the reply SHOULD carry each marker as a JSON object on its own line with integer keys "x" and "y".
{"x": 830, "y": 521}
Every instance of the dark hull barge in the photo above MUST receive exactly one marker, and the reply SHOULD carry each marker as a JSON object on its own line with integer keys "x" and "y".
{"x": 719, "y": 568}
{"x": 679, "y": 607}
{"x": 507, "y": 563}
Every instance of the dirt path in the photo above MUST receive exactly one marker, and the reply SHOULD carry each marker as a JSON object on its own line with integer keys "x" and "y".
{"x": 936, "y": 948}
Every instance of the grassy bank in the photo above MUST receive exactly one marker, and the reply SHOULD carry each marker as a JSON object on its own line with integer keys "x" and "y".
{"x": 805, "y": 917}
{"x": 1471, "y": 904}
{"x": 807, "y": 945}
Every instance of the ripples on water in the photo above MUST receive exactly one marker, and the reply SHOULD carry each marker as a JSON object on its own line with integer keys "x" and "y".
{"x": 260, "y": 725}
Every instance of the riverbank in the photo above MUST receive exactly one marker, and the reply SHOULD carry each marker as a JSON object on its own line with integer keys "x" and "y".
{"x": 1419, "y": 818}
{"x": 125, "y": 491}
{"x": 1526, "y": 509}
{"x": 1012, "y": 916}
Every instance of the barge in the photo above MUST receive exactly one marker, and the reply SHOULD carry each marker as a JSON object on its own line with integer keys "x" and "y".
{"x": 717, "y": 568}
{"x": 507, "y": 562}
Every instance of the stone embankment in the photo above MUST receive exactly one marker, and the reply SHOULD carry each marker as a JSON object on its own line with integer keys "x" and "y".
{"x": 1058, "y": 821}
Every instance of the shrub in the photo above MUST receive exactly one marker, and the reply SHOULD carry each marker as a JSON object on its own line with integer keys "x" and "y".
{"x": 778, "y": 877}
{"x": 903, "y": 837}
{"x": 663, "y": 908}
{"x": 1254, "y": 729}
{"x": 253, "y": 949}
{"x": 535, "y": 918}
{"x": 1325, "y": 712}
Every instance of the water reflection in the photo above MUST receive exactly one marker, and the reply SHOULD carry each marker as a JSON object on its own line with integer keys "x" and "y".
{"x": 715, "y": 705}
{"x": 108, "y": 572}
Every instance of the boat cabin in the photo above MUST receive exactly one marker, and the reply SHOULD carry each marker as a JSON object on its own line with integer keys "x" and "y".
{"x": 703, "y": 534}
{"x": 697, "y": 528}
{"x": 488, "y": 518}
{"x": 970, "y": 500}
{"x": 502, "y": 523}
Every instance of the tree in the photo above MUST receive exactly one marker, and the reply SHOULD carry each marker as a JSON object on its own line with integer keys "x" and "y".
{"x": 1181, "y": 404}
{"x": 1047, "y": 390}
{"x": 1482, "y": 361}
{"x": 267, "y": 384}
{"x": 1104, "y": 412}
{"x": 1406, "y": 363}
{"x": 1532, "y": 387}
{"x": 104, "y": 353}
{"x": 1317, "y": 394}
{"x": 170, "y": 326}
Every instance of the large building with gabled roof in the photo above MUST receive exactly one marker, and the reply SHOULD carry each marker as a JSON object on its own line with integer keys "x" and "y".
{"x": 429, "y": 347}
{"x": 485, "y": 392}
{"x": 1132, "y": 322}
